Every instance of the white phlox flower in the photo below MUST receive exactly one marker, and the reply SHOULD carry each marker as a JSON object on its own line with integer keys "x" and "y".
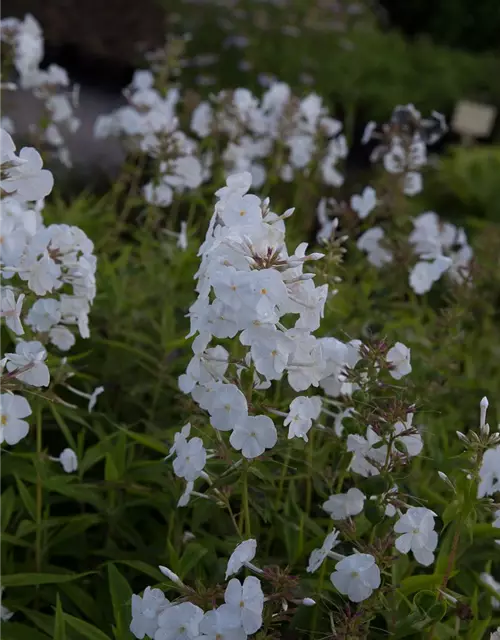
{"x": 416, "y": 527}
{"x": 242, "y": 556}
{"x": 398, "y": 358}
{"x": 245, "y": 602}
{"x": 356, "y": 576}
{"x": 318, "y": 556}
{"x": 345, "y": 505}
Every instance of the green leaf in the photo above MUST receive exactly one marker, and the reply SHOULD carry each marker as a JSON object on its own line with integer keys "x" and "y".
{"x": 478, "y": 629}
{"x": 15, "y": 540}
{"x": 81, "y": 598}
{"x": 147, "y": 441}
{"x": 85, "y": 629}
{"x": 485, "y": 531}
{"x": 121, "y": 594}
{"x": 451, "y": 512}
{"x": 143, "y": 567}
{"x": 17, "y": 631}
{"x": 32, "y": 579}
{"x": 110, "y": 471}
{"x": 191, "y": 557}
{"x": 59, "y": 625}
{"x": 416, "y": 583}
{"x": 7, "y": 505}
{"x": 26, "y": 497}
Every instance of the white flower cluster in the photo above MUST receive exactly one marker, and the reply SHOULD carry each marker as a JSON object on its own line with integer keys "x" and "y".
{"x": 249, "y": 286}
{"x": 51, "y": 86}
{"x": 149, "y": 123}
{"x": 372, "y": 452}
{"x": 402, "y": 143}
{"x": 36, "y": 260}
{"x": 291, "y": 134}
{"x": 241, "y": 614}
{"x": 489, "y": 471}
{"x": 439, "y": 247}
{"x": 296, "y": 134}
{"x": 358, "y": 575}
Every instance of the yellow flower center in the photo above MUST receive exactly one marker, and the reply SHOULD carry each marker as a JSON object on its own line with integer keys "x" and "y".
{"x": 3, "y": 420}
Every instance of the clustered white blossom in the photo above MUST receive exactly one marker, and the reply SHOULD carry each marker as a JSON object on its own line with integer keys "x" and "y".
{"x": 251, "y": 287}
{"x": 295, "y": 133}
{"x": 48, "y": 281}
{"x": 24, "y": 39}
{"x": 240, "y": 616}
{"x": 290, "y": 134}
{"x": 149, "y": 123}
{"x": 402, "y": 144}
{"x": 439, "y": 247}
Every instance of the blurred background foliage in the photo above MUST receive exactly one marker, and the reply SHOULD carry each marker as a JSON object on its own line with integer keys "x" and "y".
{"x": 363, "y": 56}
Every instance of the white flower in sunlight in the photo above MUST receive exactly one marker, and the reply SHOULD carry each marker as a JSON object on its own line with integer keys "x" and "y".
{"x": 68, "y": 460}
{"x": 222, "y": 625}
{"x": 370, "y": 242}
{"x": 185, "y": 497}
{"x": 145, "y": 612}
{"x": 318, "y": 556}
{"x": 365, "y": 203}
{"x": 399, "y": 359}
{"x": 93, "y": 397}
{"x": 489, "y": 473}
{"x": 303, "y": 410}
{"x": 191, "y": 459}
{"x": 356, "y": 576}
{"x": 345, "y": 505}
{"x": 245, "y": 602}
{"x": 253, "y": 435}
{"x": 416, "y": 527}
{"x": 179, "y": 622}
{"x": 12, "y": 409}
{"x": 10, "y": 309}
{"x": 27, "y": 180}
{"x": 27, "y": 363}
{"x": 241, "y": 556}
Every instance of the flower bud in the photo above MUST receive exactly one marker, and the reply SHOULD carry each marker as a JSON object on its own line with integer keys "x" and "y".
{"x": 485, "y": 430}
{"x": 445, "y": 478}
{"x": 171, "y": 576}
{"x": 308, "y": 602}
{"x": 462, "y": 437}
{"x": 474, "y": 437}
{"x": 483, "y": 406}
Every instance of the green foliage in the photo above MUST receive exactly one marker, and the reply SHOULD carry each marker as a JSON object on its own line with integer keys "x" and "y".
{"x": 468, "y": 182}
{"x": 76, "y": 548}
{"x": 364, "y": 68}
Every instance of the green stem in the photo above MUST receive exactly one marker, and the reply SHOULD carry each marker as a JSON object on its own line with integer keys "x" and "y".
{"x": 319, "y": 591}
{"x": 246, "y": 508}
{"x": 284, "y": 470}
{"x": 310, "y": 450}
{"x": 39, "y": 494}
